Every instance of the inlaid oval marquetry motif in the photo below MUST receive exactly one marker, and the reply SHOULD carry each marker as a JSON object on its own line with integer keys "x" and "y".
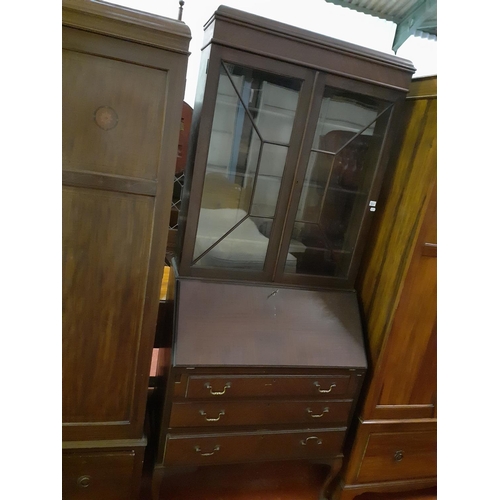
{"x": 106, "y": 117}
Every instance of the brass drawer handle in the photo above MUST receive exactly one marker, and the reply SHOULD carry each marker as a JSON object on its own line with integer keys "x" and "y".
{"x": 218, "y": 393}
{"x": 318, "y": 385}
{"x": 398, "y": 456}
{"x": 83, "y": 481}
{"x": 203, "y": 414}
{"x": 209, "y": 454}
{"x": 317, "y": 415}
{"x": 318, "y": 440}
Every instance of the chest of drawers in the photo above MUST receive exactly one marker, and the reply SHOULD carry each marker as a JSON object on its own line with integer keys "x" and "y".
{"x": 260, "y": 374}
{"x": 259, "y": 416}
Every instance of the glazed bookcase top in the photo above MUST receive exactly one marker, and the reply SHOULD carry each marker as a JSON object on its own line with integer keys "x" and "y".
{"x": 290, "y": 137}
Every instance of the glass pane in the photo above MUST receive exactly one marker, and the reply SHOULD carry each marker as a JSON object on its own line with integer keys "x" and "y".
{"x": 344, "y": 111}
{"x": 276, "y": 111}
{"x": 245, "y": 247}
{"x": 338, "y": 179}
{"x": 251, "y": 129}
{"x": 271, "y": 165}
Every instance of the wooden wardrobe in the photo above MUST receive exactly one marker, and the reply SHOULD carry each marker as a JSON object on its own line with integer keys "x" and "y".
{"x": 394, "y": 446}
{"x": 123, "y": 78}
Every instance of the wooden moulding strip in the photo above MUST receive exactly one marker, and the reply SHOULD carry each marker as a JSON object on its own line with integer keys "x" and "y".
{"x": 129, "y": 24}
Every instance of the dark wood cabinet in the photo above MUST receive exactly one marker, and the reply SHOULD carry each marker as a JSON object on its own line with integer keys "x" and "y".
{"x": 290, "y": 137}
{"x": 122, "y": 87}
{"x": 394, "y": 447}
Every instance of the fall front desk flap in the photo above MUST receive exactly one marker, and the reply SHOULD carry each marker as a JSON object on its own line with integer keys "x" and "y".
{"x": 228, "y": 324}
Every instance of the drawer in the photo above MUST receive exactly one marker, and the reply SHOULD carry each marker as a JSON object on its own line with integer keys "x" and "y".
{"x": 392, "y": 456}
{"x": 241, "y": 386}
{"x": 230, "y": 412}
{"x": 98, "y": 475}
{"x": 204, "y": 449}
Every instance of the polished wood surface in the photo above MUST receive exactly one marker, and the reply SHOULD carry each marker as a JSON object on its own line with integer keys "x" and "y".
{"x": 103, "y": 293}
{"x": 258, "y": 325}
{"x": 122, "y": 103}
{"x": 98, "y": 475}
{"x": 134, "y": 96}
{"x": 122, "y": 86}
{"x": 129, "y": 24}
{"x": 393, "y": 456}
{"x": 394, "y": 447}
{"x": 321, "y": 384}
{"x": 232, "y": 447}
{"x": 286, "y": 480}
{"x": 102, "y": 470}
{"x": 211, "y": 414}
{"x": 396, "y": 227}
{"x": 235, "y": 28}
{"x": 411, "y": 355}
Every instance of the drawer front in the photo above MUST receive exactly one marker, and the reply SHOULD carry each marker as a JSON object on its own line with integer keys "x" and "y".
{"x": 228, "y": 448}
{"x": 98, "y": 475}
{"x": 224, "y": 413}
{"x": 270, "y": 386}
{"x": 392, "y": 456}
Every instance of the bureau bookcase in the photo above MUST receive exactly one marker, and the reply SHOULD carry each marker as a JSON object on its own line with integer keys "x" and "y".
{"x": 290, "y": 136}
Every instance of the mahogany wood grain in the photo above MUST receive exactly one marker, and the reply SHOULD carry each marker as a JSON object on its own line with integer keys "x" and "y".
{"x": 285, "y": 480}
{"x": 392, "y": 456}
{"x": 411, "y": 355}
{"x": 110, "y": 182}
{"x": 275, "y": 385}
{"x": 122, "y": 100}
{"x": 398, "y": 221}
{"x": 413, "y": 489}
{"x": 398, "y": 295}
{"x": 259, "y": 325}
{"x": 134, "y": 94}
{"x": 410, "y": 351}
{"x": 407, "y": 434}
{"x": 129, "y": 24}
{"x": 241, "y": 413}
{"x": 288, "y": 43}
{"x": 205, "y": 449}
{"x": 101, "y": 473}
{"x": 106, "y": 242}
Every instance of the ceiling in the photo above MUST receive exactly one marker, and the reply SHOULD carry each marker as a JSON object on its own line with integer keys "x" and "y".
{"x": 413, "y": 17}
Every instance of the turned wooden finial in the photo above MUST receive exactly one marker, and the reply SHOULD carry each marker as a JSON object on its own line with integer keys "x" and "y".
{"x": 181, "y": 5}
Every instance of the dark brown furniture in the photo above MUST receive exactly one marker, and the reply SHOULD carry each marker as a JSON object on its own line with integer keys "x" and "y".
{"x": 394, "y": 448}
{"x": 290, "y": 136}
{"x": 123, "y": 83}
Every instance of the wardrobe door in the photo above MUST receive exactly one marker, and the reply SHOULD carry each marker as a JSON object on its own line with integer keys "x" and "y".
{"x": 121, "y": 113}
{"x": 409, "y": 388}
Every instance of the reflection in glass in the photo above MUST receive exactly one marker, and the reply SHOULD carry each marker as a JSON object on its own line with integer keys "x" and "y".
{"x": 251, "y": 130}
{"x": 271, "y": 165}
{"x": 341, "y": 167}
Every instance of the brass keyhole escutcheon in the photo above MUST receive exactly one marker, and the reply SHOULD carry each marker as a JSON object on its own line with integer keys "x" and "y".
{"x": 398, "y": 456}
{"x": 83, "y": 481}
